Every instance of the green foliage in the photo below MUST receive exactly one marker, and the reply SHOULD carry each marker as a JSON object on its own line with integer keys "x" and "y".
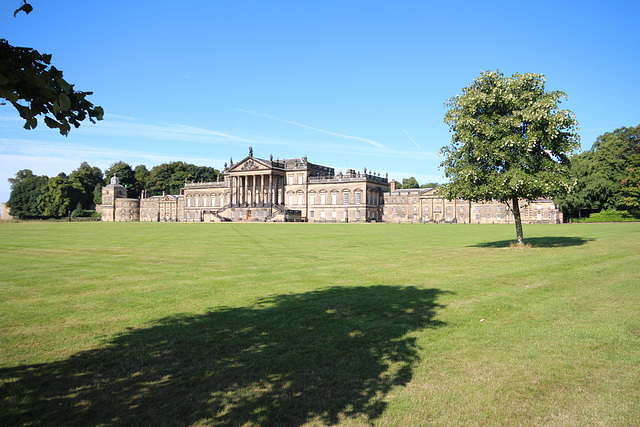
{"x": 608, "y": 215}
{"x": 430, "y": 185}
{"x": 26, "y": 190}
{"x": 171, "y": 177}
{"x": 409, "y": 183}
{"x": 631, "y": 183}
{"x": 600, "y": 171}
{"x": 34, "y": 88}
{"x": 142, "y": 175}
{"x": 60, "y": 197}
{"x": 126, "y": 177}
{"x": 87, "y": 178}
{"x": 510, "y": 141}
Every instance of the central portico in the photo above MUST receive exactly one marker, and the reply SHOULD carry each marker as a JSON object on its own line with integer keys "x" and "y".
{"x": 255, "y": 183}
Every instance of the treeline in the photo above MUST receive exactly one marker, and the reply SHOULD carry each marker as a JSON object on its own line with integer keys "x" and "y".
{"x": 413, "y": 183}
{"x": 39, "y": 197}
{"x": 607, "y": 176}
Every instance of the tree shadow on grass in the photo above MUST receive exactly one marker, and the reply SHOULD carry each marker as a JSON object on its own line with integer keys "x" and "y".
{"x": 538, "y": 242}
{"x": 289, "y": 359}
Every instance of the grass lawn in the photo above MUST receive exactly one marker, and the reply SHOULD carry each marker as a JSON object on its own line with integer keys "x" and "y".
{"x": 308, "y": 324}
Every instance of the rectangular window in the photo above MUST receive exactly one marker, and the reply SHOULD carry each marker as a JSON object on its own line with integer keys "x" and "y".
{"x": 312, "y": 199}
{"x": 290, "y": 199}
{"x": 461, "y": 208}
{"x": 334, "y": 198}
{"x": 188, "y": 215}
{"x": 299, "y": 179}
{"x": 552, "y": 206}
{"x": 414, "y": 217}
{"x": 311, "y": 214}
{"x": 498, "y": 217}
{"x": 346, "y": 215}
{"x": 488, "y": 217}
{"x": 322, "y": 215}
{"x": 299, "y": 199}
{"x": 477, "y": 209}
{"x": 357, "y": 213}
{"x": 448, "y": 208}
{"x": 552, "y": 216}
{"x": 345, "y": 198}
{"x": 334, "y": 214}
{"x": 487, "y": 208}
{"x": 539, "y": 217}
{"x": 477, "y": 217}
{"x": 498, "y": 208}
{"x": 290, "y": 179}
{"x": 539, "y": 207}
{"x": 323, "y": 199}
{"x": 359, "y": 198}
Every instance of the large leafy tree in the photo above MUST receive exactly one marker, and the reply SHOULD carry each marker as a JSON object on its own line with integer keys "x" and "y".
{"x": 60, "y": 197}
{"x": 631, "y": 183}
{"x": 126, "y": 177}
{"x": 171, "y": 177}
{"x": 410, "y": 183}
{"x": 600, "y": 171}
{"x": 510, "y": 142}
{"x": 34, "y": 87}
{"x": 26, "y": 189}
{"x": 87, "y": 178}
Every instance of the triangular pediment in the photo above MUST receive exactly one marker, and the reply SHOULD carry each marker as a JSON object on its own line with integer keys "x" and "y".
{"x": 249, "y": 164}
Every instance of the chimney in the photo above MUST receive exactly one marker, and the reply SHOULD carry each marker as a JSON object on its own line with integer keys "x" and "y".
{"x": 392, "y": 186}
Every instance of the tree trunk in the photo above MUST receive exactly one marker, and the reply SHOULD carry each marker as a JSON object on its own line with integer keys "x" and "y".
{"x": 518, "y": 220}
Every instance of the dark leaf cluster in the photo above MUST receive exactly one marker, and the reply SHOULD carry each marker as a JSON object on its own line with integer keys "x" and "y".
{"x": 34, "y": 88}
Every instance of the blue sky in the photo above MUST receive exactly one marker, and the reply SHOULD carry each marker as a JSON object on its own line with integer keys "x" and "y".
{"x": 349, "y": 84}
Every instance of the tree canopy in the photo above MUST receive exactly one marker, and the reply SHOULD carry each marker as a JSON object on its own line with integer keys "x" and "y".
{"x": 34, "y": 196}
{"x": 35, "y": 87}
{"x": 602, "y": 173}
{"x": 510, "y": 142}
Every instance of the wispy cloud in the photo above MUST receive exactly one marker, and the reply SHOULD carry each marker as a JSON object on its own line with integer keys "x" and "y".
{"x": 302, "y": 125}
{"x": 411, "y": 139}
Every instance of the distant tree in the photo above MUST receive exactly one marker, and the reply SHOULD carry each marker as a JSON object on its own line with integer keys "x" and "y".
{"x": 171, "y": 177}
{"x": 34, "y": 88}
{"x": 97, "y": 194}
{"x": 126, "y": 177}
{"x": 410, "y": 183}
{"x": 142, "y": 175}
{"x": 599, "y": 173}
{"x": 60, "y": 197}
{"x": 26, "y": 189}
{"x": 87, "y": 177}
{"x": 510, "y": 142}
{"x": 631, "y": 183}
{"x": 430, "y": 185}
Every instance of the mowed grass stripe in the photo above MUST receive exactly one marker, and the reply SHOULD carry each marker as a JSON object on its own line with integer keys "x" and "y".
{"x": 394, "y": 324}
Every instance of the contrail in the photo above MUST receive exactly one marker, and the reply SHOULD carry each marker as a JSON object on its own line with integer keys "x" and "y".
{"x": 409, "y": 136}
{"x": 340, "y": 135}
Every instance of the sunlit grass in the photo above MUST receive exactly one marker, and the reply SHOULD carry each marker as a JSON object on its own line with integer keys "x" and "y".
{"x": 307, "y": 323}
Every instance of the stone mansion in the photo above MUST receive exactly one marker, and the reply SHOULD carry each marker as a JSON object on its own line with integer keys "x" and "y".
{"x": 256, "y": 189}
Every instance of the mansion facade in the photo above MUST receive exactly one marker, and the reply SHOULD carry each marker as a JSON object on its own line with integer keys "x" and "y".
{"x": 256, "y": 189}
{"x": 286, "y": 190}
{"x": 425, "y": 205}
